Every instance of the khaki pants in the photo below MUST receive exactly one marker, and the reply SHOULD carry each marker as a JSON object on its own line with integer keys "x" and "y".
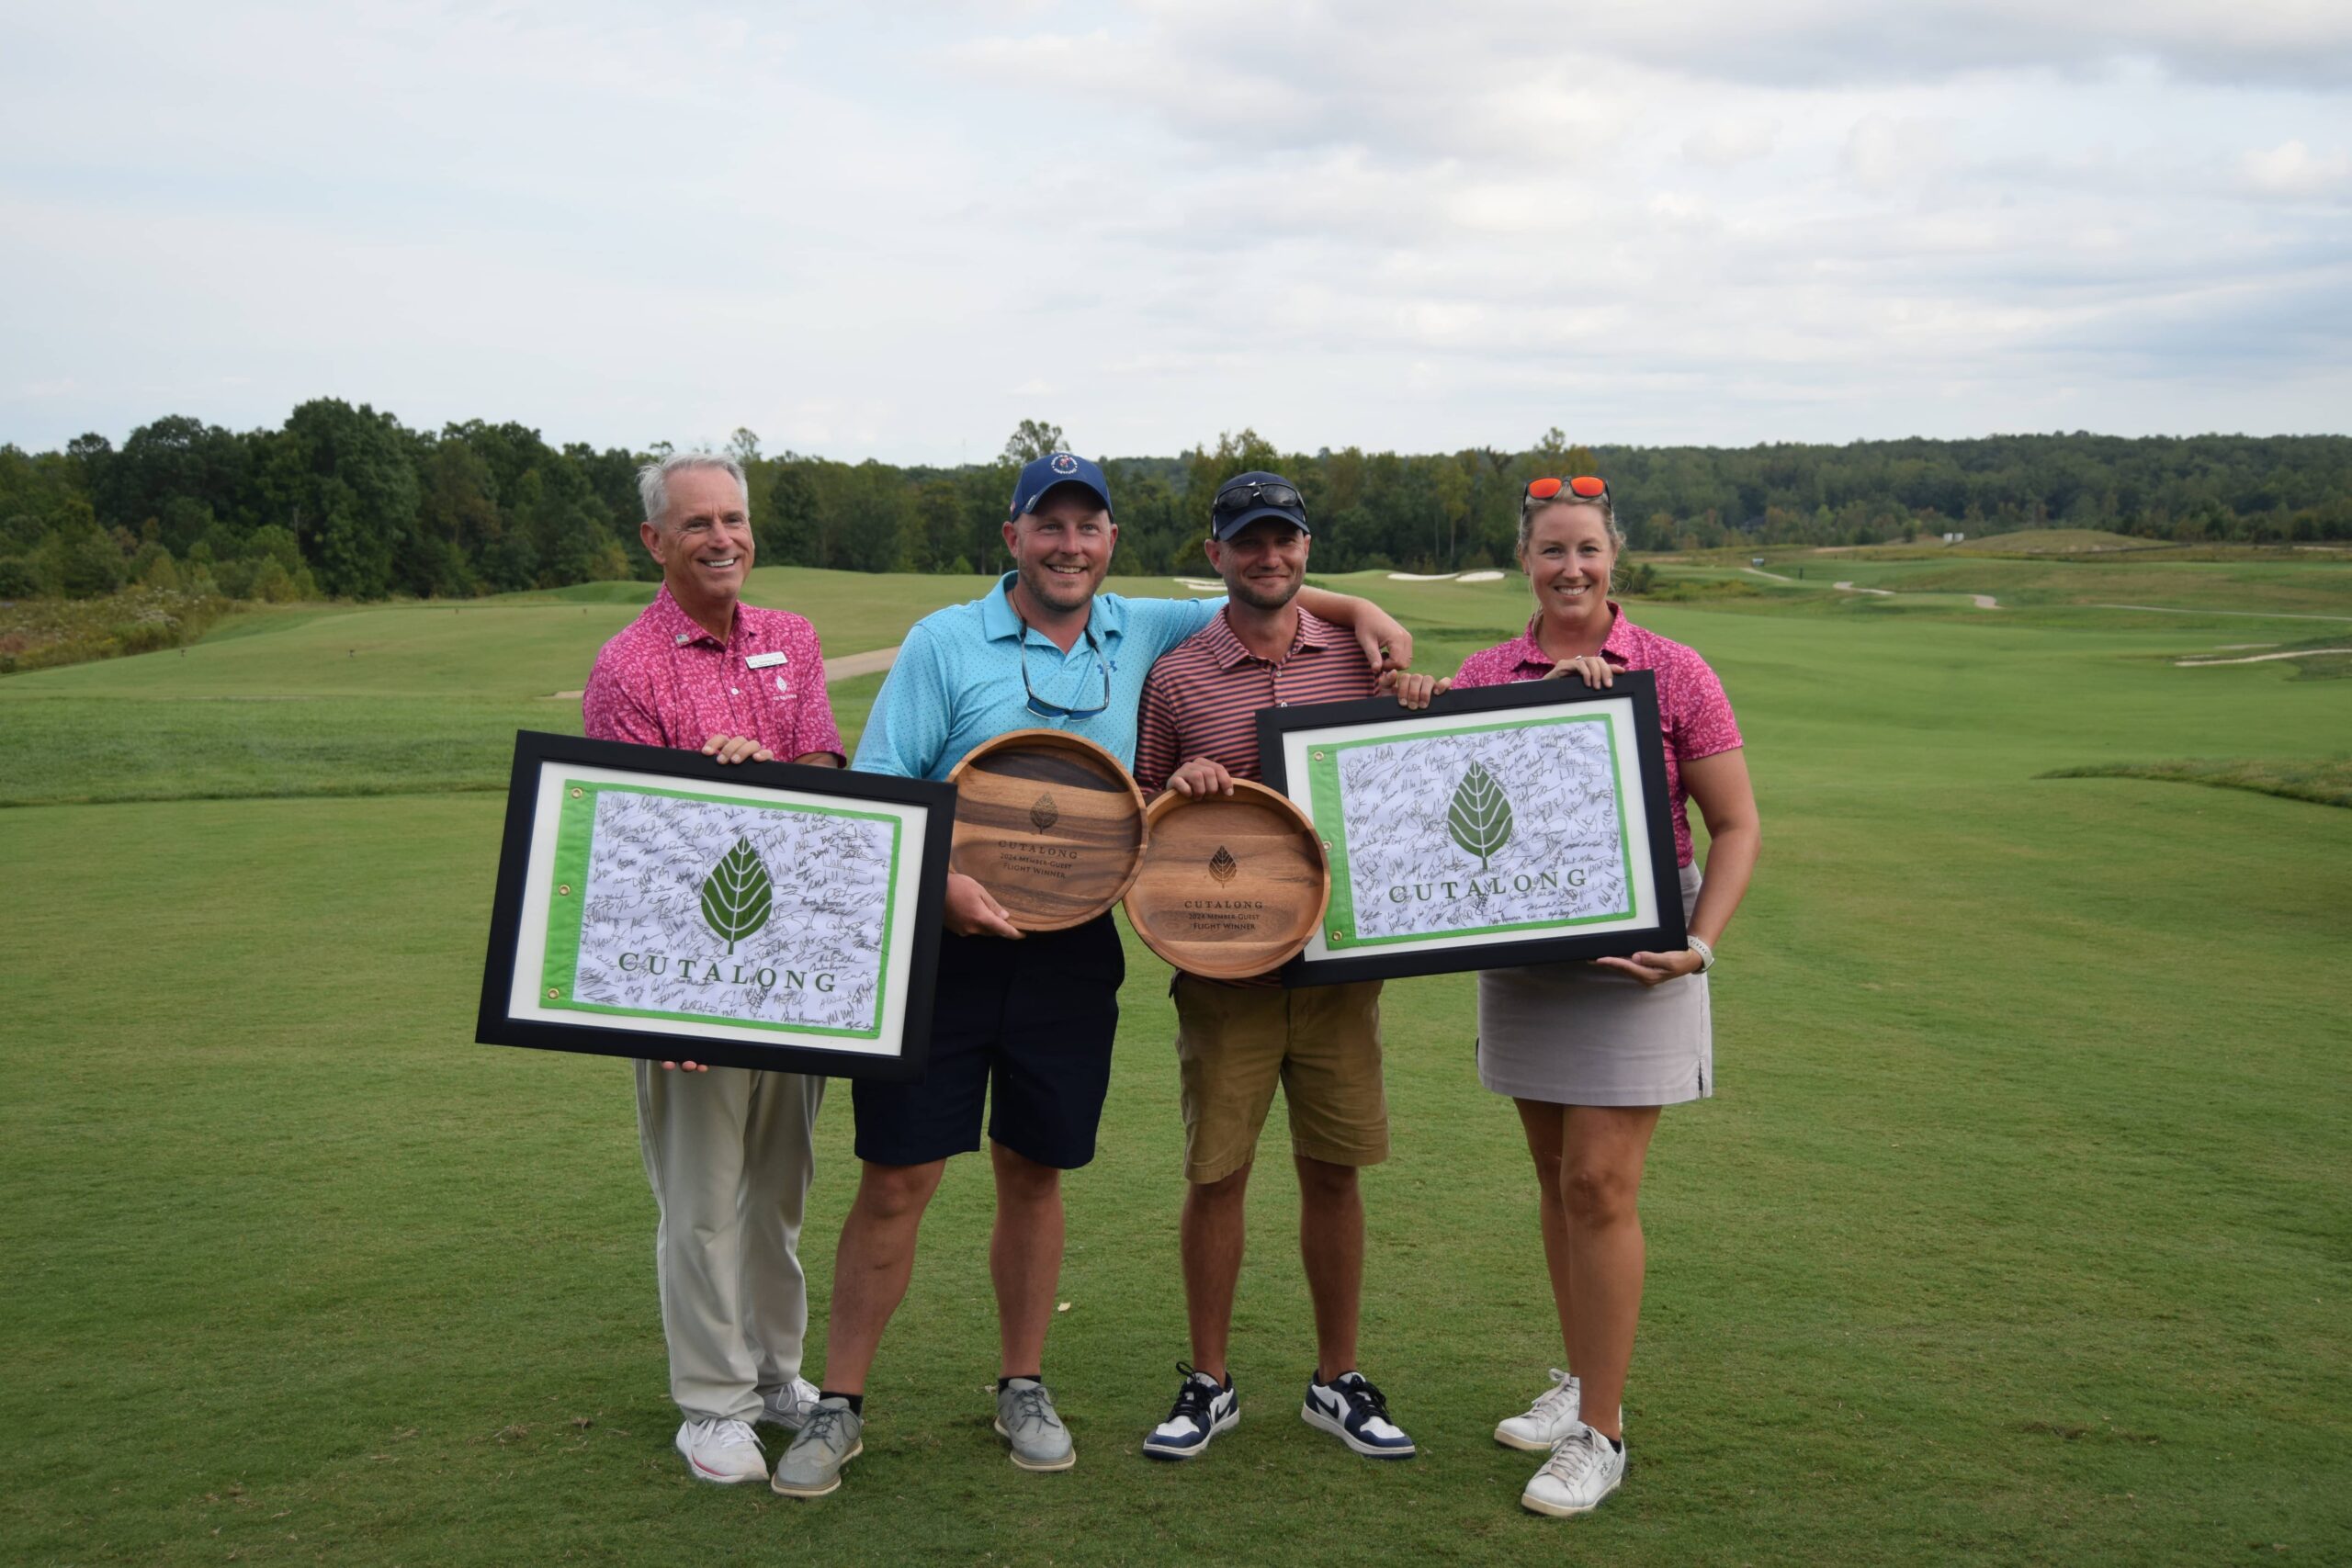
{"x": 728, "y": 1152}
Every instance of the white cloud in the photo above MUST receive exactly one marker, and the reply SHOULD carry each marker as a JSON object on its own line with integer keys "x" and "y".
{"x": 2291, "y": 169}
{"x": 1883, "y": 155}
{"x": 1720, "y": 143}
{"x": 1693, "y": 219}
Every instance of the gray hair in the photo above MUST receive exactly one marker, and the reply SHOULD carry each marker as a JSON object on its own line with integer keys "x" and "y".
{"x": 653, "y": 479}
{"x": 1529, "y": 511}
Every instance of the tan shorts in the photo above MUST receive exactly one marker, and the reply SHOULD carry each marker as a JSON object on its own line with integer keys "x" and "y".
{"x": 1320, "y": 1042}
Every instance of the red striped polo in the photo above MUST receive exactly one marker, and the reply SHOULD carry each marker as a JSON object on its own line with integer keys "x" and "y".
{"x": 1201, "y": 698}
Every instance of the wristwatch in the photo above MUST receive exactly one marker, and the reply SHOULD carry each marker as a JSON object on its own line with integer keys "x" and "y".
{"x": 1706, "y": 954}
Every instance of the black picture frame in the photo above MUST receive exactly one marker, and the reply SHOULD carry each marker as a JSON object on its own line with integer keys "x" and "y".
{"x": 497, "y": 1023}
{"x": 1638, "y": 686}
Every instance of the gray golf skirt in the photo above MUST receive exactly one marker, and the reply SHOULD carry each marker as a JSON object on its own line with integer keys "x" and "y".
{"x": 1574, "y": 1034}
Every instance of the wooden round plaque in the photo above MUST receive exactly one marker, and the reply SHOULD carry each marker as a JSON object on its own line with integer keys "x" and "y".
{"x": 1231, "y": 885}
{"x": 1049, "y": 823}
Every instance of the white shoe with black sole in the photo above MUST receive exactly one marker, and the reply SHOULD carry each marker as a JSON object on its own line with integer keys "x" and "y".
{"x": 1584, "y": 1467}
{"x": 1203, "y": 1408}
{"x": 722, "y": 1452}
{"x": 1356, "y": 1412}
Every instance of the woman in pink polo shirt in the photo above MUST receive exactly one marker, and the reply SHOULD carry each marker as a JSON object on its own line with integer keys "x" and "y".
{"x": 1592, "y": 1052}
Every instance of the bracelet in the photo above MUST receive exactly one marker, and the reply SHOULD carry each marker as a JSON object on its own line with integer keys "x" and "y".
{"x": 1706, "y": 954}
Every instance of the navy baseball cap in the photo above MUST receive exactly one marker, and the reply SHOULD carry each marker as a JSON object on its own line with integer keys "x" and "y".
{"x": 1042, "y": 474}
{"x": 1245, "y": 498}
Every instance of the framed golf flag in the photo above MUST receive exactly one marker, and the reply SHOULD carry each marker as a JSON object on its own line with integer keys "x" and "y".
{"x": 653, "y": 903}
{"x": 1500, "y": 826}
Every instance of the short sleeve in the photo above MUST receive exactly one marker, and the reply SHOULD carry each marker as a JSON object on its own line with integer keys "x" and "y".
{"x": 1156, "y": 734}
{"x": 813, "y": 726}
{"x": 610, "y": 709}
{"x": 1702, "y": 721}
{"x": 1157, "y": 625}
{"x": 908, "y": 726}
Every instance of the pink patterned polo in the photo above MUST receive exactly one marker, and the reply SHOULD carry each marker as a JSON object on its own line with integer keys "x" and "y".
{"x": 1693, "y": 714}
{"x": 666, "y": 681}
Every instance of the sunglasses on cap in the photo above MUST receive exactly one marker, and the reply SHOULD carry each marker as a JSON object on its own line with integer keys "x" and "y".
{"x": 1584, "y": 487}
{"x": 1257, "y": 492}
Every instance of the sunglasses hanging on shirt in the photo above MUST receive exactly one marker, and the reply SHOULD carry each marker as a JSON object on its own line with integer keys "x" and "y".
{"x": 1045, "y": 709}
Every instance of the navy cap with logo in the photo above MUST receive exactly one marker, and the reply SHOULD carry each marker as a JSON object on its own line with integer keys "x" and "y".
{"x": 1245, "y": 498}
{"x": 1042, "y": 474}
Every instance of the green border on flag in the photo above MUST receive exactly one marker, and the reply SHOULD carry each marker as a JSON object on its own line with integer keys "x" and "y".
{"x": 1328, "y": 801}
{"x": 574, "y": 843}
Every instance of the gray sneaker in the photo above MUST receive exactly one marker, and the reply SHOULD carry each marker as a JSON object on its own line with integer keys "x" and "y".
{"x": 1026, "y": 1418}
{"x": 833, "y": 1436}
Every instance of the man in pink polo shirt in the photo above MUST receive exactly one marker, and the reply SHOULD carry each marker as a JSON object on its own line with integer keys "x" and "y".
{"x": 727, "y": 1149}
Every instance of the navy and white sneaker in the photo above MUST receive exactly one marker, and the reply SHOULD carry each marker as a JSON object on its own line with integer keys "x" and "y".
{"x": 1203, "y": 1408}
{"x": 1357, "y": 1414}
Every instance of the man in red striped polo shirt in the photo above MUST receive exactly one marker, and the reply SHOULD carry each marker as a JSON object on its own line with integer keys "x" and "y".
{"x": 1197, "y": 732}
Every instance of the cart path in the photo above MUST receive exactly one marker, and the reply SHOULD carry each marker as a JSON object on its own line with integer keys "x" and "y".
{"x": 2240, "y": 614}
{"x": 2257, "y": 657}
{"x": 848, "y": 667}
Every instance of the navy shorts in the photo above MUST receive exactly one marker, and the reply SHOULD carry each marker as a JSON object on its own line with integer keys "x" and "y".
{"x": 1024, "y": 1027}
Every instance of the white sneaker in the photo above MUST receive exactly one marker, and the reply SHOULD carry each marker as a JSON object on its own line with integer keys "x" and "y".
{"x": 1203, "y": 1408}
{"x": 1583, "y": 1470}
{"x": 723, "y": 1451}
{"x": 1550, "y": 1418}
{"x": 788, "y": 1407}
{"x": 1351, "y": 1409}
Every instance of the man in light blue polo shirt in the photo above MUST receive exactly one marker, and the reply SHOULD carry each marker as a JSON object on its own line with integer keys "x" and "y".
{"x": 1023, "y": 1025}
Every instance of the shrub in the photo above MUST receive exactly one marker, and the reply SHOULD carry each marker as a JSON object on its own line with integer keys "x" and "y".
{"x": 86, "y": 561}
{"x": 41, "y": 632}
{"x": 19, "y": 580}
{"x": 272, "y": 584}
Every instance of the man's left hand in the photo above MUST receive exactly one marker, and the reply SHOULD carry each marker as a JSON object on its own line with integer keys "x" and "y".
{"x": 1414, "y": 690}
{"x": 1387, "y": 644}
{"x": 737, "y": 749}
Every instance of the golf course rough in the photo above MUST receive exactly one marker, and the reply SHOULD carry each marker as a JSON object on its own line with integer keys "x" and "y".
{"x": 2016, "y": 1235}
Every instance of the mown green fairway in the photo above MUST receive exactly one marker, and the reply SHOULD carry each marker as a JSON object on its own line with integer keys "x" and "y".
{"x": 2019, "y": 1234}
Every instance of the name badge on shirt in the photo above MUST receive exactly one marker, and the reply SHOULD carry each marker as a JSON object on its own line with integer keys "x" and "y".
{"x": 763, "y": 660}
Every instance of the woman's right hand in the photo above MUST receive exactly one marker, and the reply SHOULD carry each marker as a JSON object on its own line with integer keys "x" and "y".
{"x": 1596, "y": 672}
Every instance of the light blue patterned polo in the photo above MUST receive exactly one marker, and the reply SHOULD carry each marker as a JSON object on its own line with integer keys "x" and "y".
{"x": 957, "y": 679}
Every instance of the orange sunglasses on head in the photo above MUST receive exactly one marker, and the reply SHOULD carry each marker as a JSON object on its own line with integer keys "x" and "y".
{"x": 1584, "y": 487}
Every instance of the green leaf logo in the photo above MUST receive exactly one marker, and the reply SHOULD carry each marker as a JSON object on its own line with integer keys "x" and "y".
{"x": 1479, "y": 819}
{"x": 736, "y": 894}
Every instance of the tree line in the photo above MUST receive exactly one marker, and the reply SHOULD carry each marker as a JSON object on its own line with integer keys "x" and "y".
{"x": 348, "y": 503}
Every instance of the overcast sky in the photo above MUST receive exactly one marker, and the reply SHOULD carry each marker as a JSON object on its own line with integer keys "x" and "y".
{"x": 895, "y": 230}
